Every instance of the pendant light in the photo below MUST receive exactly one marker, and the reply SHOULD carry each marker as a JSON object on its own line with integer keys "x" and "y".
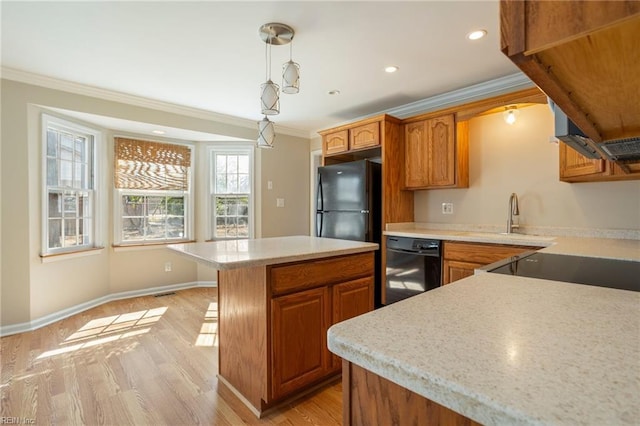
{"x": 290, "y": 74}
{"x": 275, "y": 34}
{"x": 269, "y": 91}
{"x": 266, "y": 133}
{"x": 510, "y": 114}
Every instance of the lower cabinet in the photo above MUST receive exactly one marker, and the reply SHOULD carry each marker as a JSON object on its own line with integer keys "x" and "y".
{"x": 460, "y": 259}
{"x": 301, "y": 317}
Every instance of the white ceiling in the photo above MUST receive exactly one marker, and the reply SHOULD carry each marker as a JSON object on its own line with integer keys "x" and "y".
{"x": 208, "y": 54}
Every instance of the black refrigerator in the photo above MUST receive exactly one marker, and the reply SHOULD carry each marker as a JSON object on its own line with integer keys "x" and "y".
{"x": 349, "y": 205}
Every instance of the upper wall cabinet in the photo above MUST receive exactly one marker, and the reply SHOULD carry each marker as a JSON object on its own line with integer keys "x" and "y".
{"x": 584, "y": 55}
{"x": 350, "y": 138}
{"x": 436, "y": 153}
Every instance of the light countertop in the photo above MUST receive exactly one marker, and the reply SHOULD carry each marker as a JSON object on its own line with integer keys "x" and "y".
{"x": 511, "y": 350}
{"x": 590, "y": 246}
{"x": 268, "y": 251}
{"x": 508, "y": 350}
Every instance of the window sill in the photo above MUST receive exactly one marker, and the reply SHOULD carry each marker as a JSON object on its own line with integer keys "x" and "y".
{"x": 55, "y": 257}
{"x": 147, "y": 246}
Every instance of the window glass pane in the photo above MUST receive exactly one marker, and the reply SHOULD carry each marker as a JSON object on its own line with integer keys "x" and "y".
{"x": 243, "y": 227}
{"x": 155, "y": 227}
{"x": 243, "y": 210}
{"x": 175, "y": 206}
{"x": 78, "y": 181}
{"x": 232, "y": 208}
{"x": 231, "y": 226}
{"x": 175, "y": 227}
{"x": 52, "y": 143}
{"x": 66, "y": 173}
{"x": 85, "y": 231}
{"x": 221, "y": 183}
{"x": 133, "y": 205}
{"x": 221, "y": 163}
{"x": 84, "y": 206}
{"x": 70, "y": 232}
{"x": 55, "y": 204}
{"x": 156, "y": 206}
{"x": 70, "y": 208}
{"x": 243, "y": 164}
{"x": 243, "y": 183}
{"x": 133, "y": 228}
{"x": 55, "y": 233}
{"x": 80, "y": 149}
{"x": 220, "y": 227}
{"x": 52, "y": 172}
{"x": 232, "y": 164}
{"x": 232, "y": 184}
{"x": 66, "y": 146}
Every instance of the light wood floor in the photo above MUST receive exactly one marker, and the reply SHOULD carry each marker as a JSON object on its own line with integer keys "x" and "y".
{"x": 143, "y": 361}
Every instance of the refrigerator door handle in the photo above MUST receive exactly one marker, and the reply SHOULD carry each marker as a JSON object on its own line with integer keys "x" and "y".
{"x": 320, "y": 195}
{"x": 318, "y": 224}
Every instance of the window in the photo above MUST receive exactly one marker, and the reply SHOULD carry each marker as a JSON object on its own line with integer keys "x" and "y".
{"x": 69, "y": 186}
{"x": 153, "y": 192}
{"x": 231, "y": 192}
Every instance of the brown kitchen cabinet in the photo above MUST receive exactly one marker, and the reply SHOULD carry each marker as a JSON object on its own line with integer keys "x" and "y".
{"x": 436, "y": 153}
{"x": 335, "y": 143}
{"x": 309, "y": 297}
{"x": 352, "y": 138}
{"x": 460, "y": 259}
{"x": 574, "y": 167}
{"x": 584, "y": 55}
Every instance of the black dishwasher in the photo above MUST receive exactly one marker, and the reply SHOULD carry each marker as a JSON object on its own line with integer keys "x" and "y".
{"x": 413, "y": 267}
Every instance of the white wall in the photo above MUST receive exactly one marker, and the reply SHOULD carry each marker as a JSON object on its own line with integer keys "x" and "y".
{"x": 519, "y": 158}
{"x": 31, "y": 289}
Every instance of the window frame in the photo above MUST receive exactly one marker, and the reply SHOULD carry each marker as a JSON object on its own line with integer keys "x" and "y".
{"x": 229, "y": 148}
{"x": 94, "y": 136}
{"x": 189, "y": 197}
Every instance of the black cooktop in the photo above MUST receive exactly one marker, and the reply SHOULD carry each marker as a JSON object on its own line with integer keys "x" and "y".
{"x": 611, "y": 273}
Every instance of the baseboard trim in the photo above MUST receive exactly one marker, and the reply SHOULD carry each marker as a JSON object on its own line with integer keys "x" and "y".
{"x": 73, "y": 310}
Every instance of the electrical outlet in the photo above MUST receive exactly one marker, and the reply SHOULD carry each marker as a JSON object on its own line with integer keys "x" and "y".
{"x": 279, "y": 202}
{"x": 447, "y": 208}
{"x": 167, "y": 266}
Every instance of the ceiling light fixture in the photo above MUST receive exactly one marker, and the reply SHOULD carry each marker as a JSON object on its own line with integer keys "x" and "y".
{"x": 334, "y": 92}
{"x": 275, "y": 34}
{"x": 476, "y": 35}
{"x": 510, "y": 114}
{"x": 158, "y": 132}
{"x": 391, "y": 69}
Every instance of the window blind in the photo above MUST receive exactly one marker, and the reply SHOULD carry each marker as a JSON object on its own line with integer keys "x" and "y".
{"x": 151, "y": 165}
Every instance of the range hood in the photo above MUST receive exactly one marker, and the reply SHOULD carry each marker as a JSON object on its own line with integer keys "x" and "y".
{"x": 627, "y": 149}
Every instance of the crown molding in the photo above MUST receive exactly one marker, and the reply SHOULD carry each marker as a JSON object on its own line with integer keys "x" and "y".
{"x": 111, "y": 95}
{"x": 487, "y": 89}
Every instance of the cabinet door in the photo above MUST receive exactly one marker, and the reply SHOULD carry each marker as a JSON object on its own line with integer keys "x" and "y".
{"x": 416, "y": 155}
{"x": 299, "y": 340}
{"x": 364, "y": 136}
{"x": 350, "y": 299}
{"x": 454, "y": 270}
{"x": 573, "y": 164}
{"x": 335, "y": 143}
{"x": 441, "y": 151}
{"x": 430, "y": 153}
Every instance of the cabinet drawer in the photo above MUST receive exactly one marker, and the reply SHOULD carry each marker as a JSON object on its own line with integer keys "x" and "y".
{"x": 314, "y": 273}
{"x": 482, "y": 254}
{"x": 364, "y": 136}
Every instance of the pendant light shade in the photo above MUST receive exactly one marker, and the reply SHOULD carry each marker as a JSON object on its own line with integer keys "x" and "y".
{"x": 266, "y": 133}
{"x": 270, "y": 98}
{"x": 290, "y": 77}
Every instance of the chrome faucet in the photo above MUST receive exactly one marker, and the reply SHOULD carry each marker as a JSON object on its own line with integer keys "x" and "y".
{"x": 513, "y": 211}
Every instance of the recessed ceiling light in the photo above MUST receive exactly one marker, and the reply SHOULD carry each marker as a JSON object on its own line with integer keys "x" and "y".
{"x": 158, "y": 132}
{"x": 334, "y": 92}
{"x": 391, "y": 69}
{"x": 476, "y": 35}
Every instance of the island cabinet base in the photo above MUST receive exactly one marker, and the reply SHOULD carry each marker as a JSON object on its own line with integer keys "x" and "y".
{"x": 369, "y": 399}
{"x": 273, "y": 322}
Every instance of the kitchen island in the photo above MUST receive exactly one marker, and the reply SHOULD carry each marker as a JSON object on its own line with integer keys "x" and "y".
{"x": 496, "y": 349}
{"x": 276, "y": 299}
